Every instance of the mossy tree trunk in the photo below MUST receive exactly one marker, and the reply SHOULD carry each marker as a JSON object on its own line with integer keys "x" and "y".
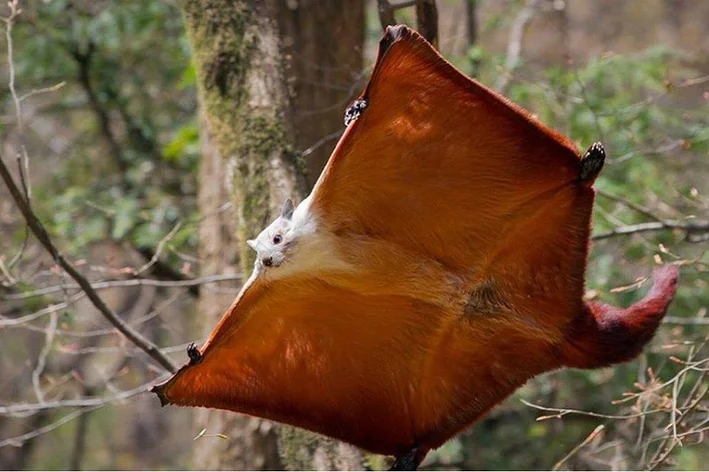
{"x": 248, "y": 159}
{"x": 242, "y": 88}
{"x": 251, "y": 443}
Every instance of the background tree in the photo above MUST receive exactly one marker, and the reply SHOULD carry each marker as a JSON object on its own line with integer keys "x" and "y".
{"x": 251, "y": 156}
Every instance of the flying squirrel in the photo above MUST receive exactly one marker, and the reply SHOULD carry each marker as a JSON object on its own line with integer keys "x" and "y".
{"x": 437, "y": 265}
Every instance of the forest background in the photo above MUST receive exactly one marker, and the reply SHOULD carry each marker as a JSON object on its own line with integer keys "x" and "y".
{"x": 141, "y": 135}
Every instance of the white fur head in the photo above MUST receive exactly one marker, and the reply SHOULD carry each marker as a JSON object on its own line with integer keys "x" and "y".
{"x": 274, "y": 244}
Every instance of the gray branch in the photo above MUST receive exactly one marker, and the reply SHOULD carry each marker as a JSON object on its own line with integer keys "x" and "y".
{"x": 42, "y": 235}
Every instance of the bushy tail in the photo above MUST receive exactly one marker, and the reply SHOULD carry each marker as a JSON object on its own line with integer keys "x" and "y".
{"x": 603, "y": 335}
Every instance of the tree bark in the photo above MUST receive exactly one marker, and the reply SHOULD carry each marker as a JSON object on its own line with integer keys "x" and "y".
{"x": 248, "y": 160}
{"x": 324, "y": 40}
{"x": 245, "y": 162}
{"x": 471, "y": 22}
{"x": 243, "y": 91}
{"x": 251, "y": 444}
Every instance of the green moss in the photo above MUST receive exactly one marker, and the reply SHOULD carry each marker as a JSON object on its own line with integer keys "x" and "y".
{"x": 303, "y": 450}
{"x": 261, "y": 137}
{"x": 222, "y": 43}
{"x": 297, "y": 447}
{"x": 224, "y": 37}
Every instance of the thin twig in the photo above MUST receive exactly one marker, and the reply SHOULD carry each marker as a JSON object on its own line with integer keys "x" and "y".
{"x": 685, "y": 321}
{"x": 514, "y": 44}
{"x": 23, "y": 409}
{"x": 158, "y": 249}
{"x": 692, "y": 228}
{"x": 14, "y": 322}
{"x": 321, "y": 142}
{"x": 386, "y": 11}
{"x": 34, "y": 92}
{"x": 11, "y": 280}
{"x": 578, "y": 447}
{"x": 42, "y": 358}
{"x": 126, "y": 350}
{"x": 690, "y": 366}
{"x": 22, "y": 157}
{"x": 633, "y": 206}
{"x": 19, "y": 440}
{"x": 9, "y": 22}
{"x": 138, "y": 321}
{"x": 106, "y": 284}
{"x": 42, "y": 235}
{"x": 560, "y": 412}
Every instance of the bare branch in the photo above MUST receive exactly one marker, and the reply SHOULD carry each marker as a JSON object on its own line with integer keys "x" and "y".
{"x": 9, "y": 22}
{"x": 83, "y": 60}
{"x": 158, "y": 249}
{"x": 127, "y": 283}
{"x": 22, "y": 157}
{"x": 514, "y": 44}
{"x": 163, "y": 270}
{"x": 685, "y": 321}
{"x": 561, "y": 412}
{"x": 633, "y": 206}
{"x": 695, "y": 230}
{"x": 13, "y": 322}
{"x": 321, "y": 142}
{"x": 578, "y": 447}
{"x": 138, "y": 321}
{"x": 386, "y": 11}
{"x": 41, "y": 234}
{"x": 51, "y": 331}
{"x": 39, "y": 91}
{"x": 427, "y": 20}
{"x": 19, "y": 440}
{"x": 11, "y": 280}
{"x": 25, "y": 409}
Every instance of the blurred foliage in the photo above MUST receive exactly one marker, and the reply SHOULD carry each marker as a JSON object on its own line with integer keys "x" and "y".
{"x": 138, "y": 76}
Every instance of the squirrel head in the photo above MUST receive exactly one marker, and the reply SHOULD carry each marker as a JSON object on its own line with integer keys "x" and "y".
{"x": 275, "y": 242}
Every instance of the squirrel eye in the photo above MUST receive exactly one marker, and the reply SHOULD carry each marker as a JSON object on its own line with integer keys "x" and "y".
{"x": 277, "y": 239}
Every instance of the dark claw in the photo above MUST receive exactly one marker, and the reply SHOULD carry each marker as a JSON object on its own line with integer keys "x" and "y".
{"x": 408, "y": 461}
{"x": 354, "y": 111}
{"x": 592, "y": 161}
{"x": 194, "y": 354}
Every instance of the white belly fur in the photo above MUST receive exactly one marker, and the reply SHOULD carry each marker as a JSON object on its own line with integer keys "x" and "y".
{"x": 365, "y": 265}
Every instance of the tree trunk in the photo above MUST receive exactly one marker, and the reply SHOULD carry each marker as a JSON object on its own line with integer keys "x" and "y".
{"x": 245, "y": 162}
{"x": 248, "y": 159}
{"x": 324, "y": 39}
{"x": 242, "y": 88}
{"x": 251, "y": 443}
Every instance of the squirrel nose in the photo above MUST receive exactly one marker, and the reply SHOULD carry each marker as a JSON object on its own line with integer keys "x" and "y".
{"x": 267, "y": 261}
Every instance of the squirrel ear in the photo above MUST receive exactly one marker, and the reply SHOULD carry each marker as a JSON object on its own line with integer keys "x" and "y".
{"x": 288, "y": 209}
{"x": 251, "y": 243}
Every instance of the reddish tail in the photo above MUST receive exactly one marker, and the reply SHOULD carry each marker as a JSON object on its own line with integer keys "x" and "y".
{"x": 605, "y": 335}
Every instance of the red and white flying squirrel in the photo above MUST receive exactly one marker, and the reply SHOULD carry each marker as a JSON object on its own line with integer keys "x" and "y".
{"x": 436, "y": 267}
